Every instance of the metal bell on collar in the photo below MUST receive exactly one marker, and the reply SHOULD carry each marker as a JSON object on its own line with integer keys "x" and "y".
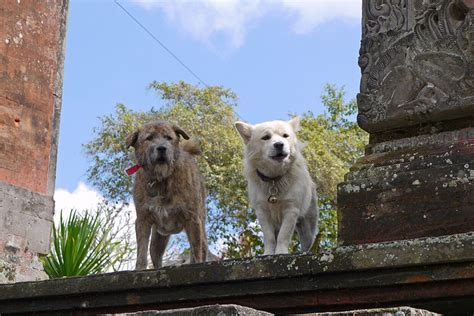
{"x": 273, "y": 193}
{"x": 272, "y": 199}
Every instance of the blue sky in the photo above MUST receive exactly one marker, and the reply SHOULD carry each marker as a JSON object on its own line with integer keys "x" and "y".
{"x": 276, "y": 55}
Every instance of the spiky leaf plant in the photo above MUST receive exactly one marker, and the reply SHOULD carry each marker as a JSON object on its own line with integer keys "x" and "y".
{"x": 81, "y": 245}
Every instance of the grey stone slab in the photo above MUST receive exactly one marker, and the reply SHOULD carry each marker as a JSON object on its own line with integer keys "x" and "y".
{"x": 237, "y": 310}
{"x": 26, "y": 214}
{"x": 13, "y": 198}
{"x": 395, "y": 311}
{"x": 211, "y": 310}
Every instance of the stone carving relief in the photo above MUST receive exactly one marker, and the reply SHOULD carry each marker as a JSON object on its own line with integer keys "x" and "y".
{"x": 417, "y": 62}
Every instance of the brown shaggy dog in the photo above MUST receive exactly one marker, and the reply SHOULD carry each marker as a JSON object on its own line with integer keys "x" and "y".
{"x": 169, "y": 192}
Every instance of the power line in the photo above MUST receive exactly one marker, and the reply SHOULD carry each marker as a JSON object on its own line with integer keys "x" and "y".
{"x": 161, "y": 43}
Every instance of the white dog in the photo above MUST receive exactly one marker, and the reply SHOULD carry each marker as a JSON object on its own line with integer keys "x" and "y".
{"x": 280, "y": 188}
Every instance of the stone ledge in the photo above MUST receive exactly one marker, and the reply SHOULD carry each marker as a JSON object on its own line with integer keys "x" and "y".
{"x": 395, "y": 311}
{"x": 237, "y": 310}
{"x": 432, "y": 273}
{"x": 210, "y": 310}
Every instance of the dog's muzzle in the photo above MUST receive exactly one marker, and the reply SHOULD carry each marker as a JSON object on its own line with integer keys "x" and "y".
{"x": 162, "y": 154}
{"x": 158, "y": 155}
{"x": 279, "y": 152}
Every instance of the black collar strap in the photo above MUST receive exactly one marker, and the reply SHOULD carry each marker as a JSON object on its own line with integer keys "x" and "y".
{"x": 267, "y": 179}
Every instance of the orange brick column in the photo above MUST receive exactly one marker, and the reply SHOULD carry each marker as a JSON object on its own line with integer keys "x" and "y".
{"x": 32, "y": 38}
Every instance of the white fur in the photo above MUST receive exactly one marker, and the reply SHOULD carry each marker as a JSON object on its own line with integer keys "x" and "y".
{"x": 296, "y": 206}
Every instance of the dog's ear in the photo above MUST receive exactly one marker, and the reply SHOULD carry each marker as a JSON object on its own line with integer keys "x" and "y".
{"x": 132, "y": 139}
{"x": 295, "y": 123}
{"x": 245, "y": 130}
{"x": 180, "y": 132}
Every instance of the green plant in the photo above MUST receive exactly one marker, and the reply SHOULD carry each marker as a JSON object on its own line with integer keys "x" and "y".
{"x": 81, "y": 245}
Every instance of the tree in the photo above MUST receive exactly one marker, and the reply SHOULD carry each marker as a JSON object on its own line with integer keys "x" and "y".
{"x": 333, "y": 143}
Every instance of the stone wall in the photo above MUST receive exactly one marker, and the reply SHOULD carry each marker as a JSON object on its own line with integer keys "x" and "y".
{"x": 417, "y": 102}
{"x": 31, "y": 70}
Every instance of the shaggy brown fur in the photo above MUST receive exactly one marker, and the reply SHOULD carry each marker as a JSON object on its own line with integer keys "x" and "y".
{"x": 169, "y": 192}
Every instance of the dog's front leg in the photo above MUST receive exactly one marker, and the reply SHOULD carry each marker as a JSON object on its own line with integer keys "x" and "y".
{"x": 158, "y": 247}
{"x": 287, "y": 228}
{"x": 196, "y": 233}
{"x": 142, "y": 230}
{"x": 268, "y": 230}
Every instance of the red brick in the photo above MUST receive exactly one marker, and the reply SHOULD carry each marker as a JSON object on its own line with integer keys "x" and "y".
{"x": 29, "y": 48}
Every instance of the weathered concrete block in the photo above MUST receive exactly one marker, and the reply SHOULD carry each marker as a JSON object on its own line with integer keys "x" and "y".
{"x": 15, "y": 244}
{"x": 31, "y": 203}
{"x": 237, "y": 310}
{"x": 210, "y": 310}
{"x": 395, "y": 311}
{"x": 408, "y": 188}
{"x": 26, "y": 214}
{"x": 39, "y": 227}
{"x": 17, "y": 262}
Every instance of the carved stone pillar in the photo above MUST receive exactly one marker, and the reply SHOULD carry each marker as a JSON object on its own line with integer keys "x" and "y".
{"x": 417, "y": 102}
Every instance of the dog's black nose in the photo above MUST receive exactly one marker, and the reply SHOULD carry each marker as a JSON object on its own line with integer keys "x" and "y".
{"x": 278, "y": 145}
{"x": 161, "y": 149}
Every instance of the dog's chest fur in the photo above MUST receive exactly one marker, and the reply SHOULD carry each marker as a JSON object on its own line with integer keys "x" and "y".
{"x": 286, "y": 198}
{"x": 164, "y": 209}
{"x": 161, "y": 205}
{"x": 294, "y": 190}
{"x": 167, "y": 220}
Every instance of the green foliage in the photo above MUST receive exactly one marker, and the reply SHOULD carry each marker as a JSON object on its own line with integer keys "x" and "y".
{"x": 81, "y": 245}
{"x": 333, "y": 142}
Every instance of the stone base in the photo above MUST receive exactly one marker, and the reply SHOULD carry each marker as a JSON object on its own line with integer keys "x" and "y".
{"x": 396, "y": 311}
{"x": 409, "y": 188}
{"x": 25, "y": 231}
{"x": 237, "y": 310}
{"x": 17, "y": 263}
{"x": 26, "y": 214}
{"x": 210, "y": 310}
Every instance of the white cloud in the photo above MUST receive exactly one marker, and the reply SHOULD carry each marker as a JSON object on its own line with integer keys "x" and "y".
{"x": 311, "y": 13}
{"x": 82, "y": 198}
{"x": 205, "y": 20}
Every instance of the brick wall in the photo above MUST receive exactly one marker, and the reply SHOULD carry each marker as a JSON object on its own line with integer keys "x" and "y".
{"x": 32, "y": 37}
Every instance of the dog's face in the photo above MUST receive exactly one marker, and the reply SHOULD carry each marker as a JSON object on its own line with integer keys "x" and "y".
{"x": 270, "y": 144}
{"x": 157, "y": 146}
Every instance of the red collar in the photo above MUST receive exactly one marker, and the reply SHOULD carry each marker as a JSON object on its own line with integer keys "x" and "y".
{"x": 132, "y": 170}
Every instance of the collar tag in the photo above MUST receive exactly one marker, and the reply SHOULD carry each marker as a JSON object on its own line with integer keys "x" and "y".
{"x": 132, "y": 170}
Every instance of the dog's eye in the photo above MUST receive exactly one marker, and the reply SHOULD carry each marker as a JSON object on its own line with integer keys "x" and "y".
{"x": 266, "y": 137}
{"x": 168, "y": 137}
{"x": 150, "y": 137}
{"x": 286, "y": 135}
